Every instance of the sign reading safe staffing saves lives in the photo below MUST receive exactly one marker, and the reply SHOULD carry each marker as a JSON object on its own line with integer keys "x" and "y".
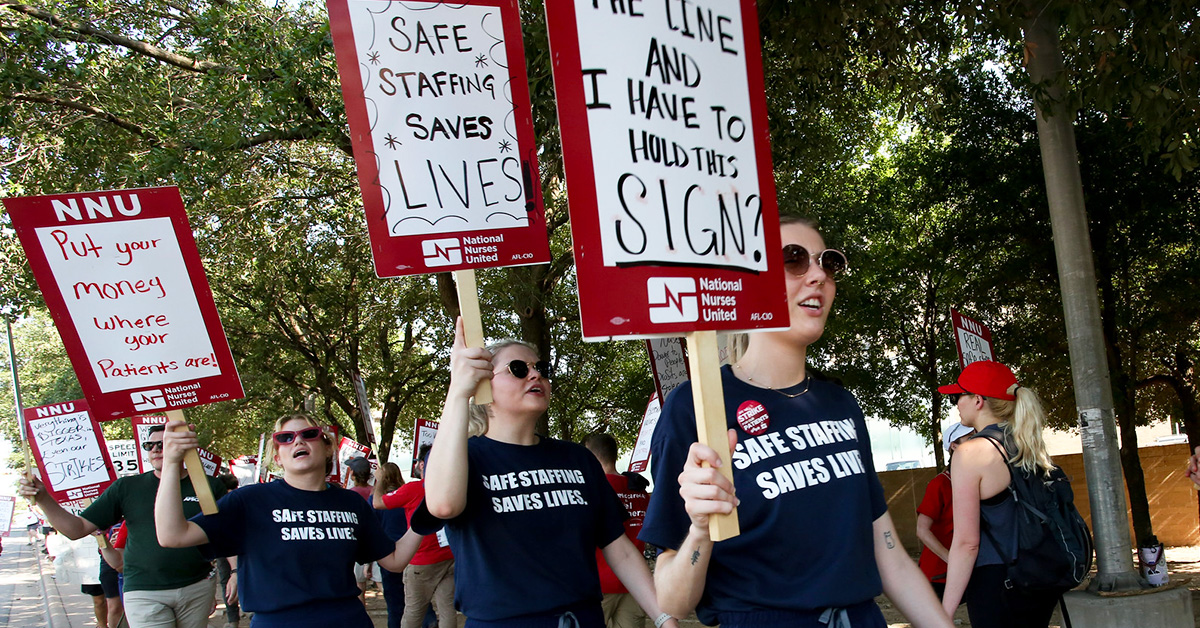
{"x": 665, "y": 142}
{"x": 121, "y": 275}
{"x": 438, "y": 104}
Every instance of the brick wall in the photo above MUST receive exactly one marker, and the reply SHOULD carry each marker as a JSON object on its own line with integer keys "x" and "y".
{"x": 1173, "y": 499}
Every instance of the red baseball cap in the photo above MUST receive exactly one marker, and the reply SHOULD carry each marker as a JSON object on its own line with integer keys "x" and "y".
{"x": 984, "y": 378}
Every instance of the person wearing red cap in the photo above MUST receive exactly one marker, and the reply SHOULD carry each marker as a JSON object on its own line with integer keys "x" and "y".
{"x": 990, "y": 400}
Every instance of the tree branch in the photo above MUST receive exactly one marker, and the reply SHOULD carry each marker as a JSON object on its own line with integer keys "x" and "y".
{"x": 113, "y": 39}
{"x": 94, "y": 112}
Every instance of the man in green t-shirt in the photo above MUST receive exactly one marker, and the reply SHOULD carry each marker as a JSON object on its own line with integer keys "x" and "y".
{"x": 163, "y": 587}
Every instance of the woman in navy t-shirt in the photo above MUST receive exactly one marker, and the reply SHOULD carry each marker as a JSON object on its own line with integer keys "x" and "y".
{"x": 817, "y": 543}
{"x": 296, "y": 539}
{"x": 524, "y": 513}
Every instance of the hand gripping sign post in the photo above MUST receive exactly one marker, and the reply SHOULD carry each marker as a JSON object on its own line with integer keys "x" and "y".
{"x": 667, "y": 154}
{"x": 438, "y": 105}
{"x": 122, "y": 278}
{"x": 972, "y": 339}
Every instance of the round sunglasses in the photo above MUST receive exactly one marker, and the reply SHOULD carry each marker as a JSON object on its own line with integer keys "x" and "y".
{"x": 520, "y": 368}
{"x": 797, "y": 260}
{"x": 287, "y": 437}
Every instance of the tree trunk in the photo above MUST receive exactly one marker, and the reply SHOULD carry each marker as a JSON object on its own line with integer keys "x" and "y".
{"x": 935, "y": 428}
{"x": 1077, "y": 275}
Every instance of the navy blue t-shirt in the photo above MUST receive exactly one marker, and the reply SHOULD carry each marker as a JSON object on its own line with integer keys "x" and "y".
{"x": 294, "y": 547}
{"x": 809, "y": 496}
{"x": 526, "y": 543}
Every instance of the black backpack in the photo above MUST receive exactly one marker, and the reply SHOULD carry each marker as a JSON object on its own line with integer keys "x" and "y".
{"x": 1053, "y": 544}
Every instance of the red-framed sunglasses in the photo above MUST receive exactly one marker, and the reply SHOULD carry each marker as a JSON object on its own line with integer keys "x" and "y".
{"x": 797, "y": 259}
{"x": 287, "y": 437}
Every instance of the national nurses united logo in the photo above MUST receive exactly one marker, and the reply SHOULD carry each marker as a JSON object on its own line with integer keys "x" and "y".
{"x": 752, "y": 418}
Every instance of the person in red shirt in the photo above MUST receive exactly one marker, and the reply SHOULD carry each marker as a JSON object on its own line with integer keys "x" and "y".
{"x": 429, "y": 576}
{"x": 620, "y": 609}
{"x": 935, "y": 515}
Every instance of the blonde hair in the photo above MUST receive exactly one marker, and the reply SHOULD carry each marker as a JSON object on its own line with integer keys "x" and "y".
{"x": 1022, "y": 420}
{"x": 272, "y": 449}
{"x": 477, "y": 415}
{"x": 739, "y": 342}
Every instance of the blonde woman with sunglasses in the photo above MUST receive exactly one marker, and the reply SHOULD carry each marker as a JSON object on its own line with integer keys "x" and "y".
{"x": 296, "y": 539}
{"x": 817, "y": 544}
{"x": 524, "y": 513}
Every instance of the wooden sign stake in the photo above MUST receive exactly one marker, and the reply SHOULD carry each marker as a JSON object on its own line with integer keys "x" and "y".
{"x": 704, "y": 362}
{"x": 468, "y": 308}
{"x": 195, "y": 470}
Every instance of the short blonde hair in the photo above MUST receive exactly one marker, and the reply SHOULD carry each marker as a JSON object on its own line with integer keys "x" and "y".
{"x": 272, "y": 449}
{"x": 477, "y": 415}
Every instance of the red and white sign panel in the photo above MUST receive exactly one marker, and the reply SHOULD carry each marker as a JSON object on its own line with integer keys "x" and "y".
{"x": 348, "y": 449}
{"x": 638, "y": 460}
{"x": 668, "y": 160}
{"x": 972, "y": 339}
{"x": 210, "y": 461}
{"x": 121, "y": 275}
{"x": 438, "y": 104}
{"x": 243, "y": 468}
{"x": 8, "y": 503}
{"x": 425, "y": 432}
{"x": 141, "y": 434}
{"x": 69, "y": 449}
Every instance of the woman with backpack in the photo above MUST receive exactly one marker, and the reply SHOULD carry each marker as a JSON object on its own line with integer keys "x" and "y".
{"x": 990, "y": 400}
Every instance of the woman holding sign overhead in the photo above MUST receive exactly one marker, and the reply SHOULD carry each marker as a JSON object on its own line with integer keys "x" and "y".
{"x": 817, "y": 544}
{"x": 296, "y": 539}
{"x": 524, "y": 513}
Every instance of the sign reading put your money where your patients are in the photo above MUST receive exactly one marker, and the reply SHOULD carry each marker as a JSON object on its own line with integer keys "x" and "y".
{"x": 122, "y": 278}
{"x": 438, "y": 104}
{"x": 665, "y": 142}
{"x": 69, "y": 449}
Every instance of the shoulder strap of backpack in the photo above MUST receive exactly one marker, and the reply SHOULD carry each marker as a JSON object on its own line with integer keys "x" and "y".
{"x": 983, "y": 523}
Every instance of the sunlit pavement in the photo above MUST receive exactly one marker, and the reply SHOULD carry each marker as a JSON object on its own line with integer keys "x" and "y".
{"x": 21, "y": 602}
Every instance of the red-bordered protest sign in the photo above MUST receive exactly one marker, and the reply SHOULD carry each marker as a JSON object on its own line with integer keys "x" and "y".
{"x": 348, "y": 449}
{"x": 211, "y": 462}
{"x": 70, "y": 451}
{"x": 668, "y": 163}
{"x": 8, "y": 504}
{"x": 423, "y": 434}
{"x": 243, "y": 468}
{"x": 972, "y": 339}
{"x": 122, "y": 278}
{"x": 141, "y": 435}
{"x": 438, "y": 104}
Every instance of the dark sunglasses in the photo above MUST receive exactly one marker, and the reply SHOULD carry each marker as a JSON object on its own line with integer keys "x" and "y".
{"x": 520, "y": 368}
{"x": 288, "y": 437}
{"x": 797, "y": 259}
{"x": 152, "y": 445}
{"x": 954, "y": 397}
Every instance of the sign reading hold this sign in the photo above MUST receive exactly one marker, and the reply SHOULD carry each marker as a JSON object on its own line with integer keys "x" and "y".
{"x": 667, "y": 155}
{"x": 972, "y": 339}
{"x": 438, "y": 104}
{"x": 121, "y": 275}
{"x": 69, "y": 450}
